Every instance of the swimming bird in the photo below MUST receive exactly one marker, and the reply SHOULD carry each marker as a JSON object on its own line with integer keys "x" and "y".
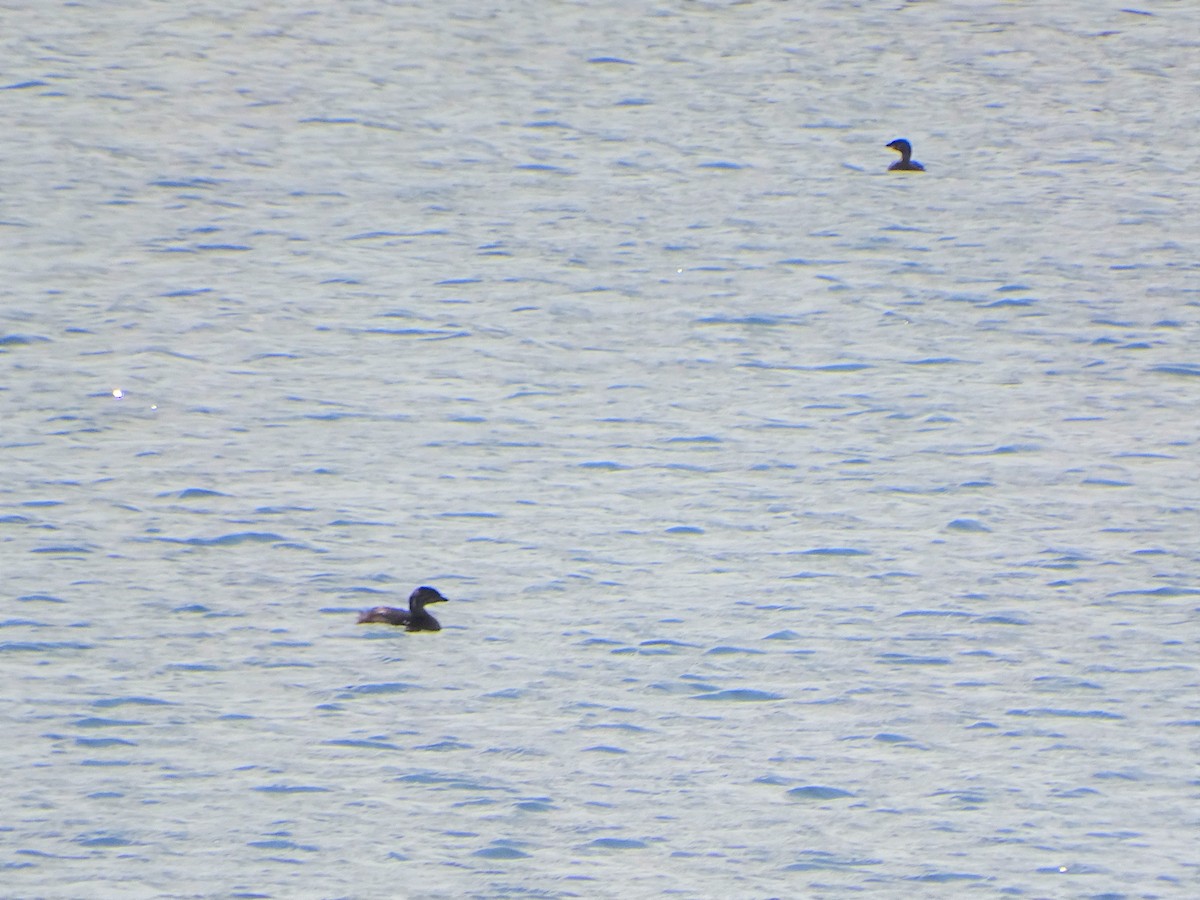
{"x": 414, "y": 618}
{"x": 906, "y": 162}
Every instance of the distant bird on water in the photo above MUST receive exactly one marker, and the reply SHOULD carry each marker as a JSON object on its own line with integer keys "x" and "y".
{"x": 413, "y": 619}
{"x": 905, "y": 163}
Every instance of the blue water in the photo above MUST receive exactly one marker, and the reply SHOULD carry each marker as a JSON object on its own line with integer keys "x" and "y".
{"x": 809, "y": 530}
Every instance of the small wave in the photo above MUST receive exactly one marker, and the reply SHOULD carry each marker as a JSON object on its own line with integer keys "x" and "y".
{"x": 41, "y": 646}
{"x": 818, "y": 792}
{"x": 617, "y": 844}
{"x": 291, "y": 789}
{"x": 1066, "y": 713}
{"x": 740, "y": 695}
{"x": 501, "y": 852}
{"x": 386, "y": 687}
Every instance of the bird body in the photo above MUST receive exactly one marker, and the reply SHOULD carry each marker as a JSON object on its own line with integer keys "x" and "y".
{"x": 415, "y": 618}
{"x": 905, "y": 163}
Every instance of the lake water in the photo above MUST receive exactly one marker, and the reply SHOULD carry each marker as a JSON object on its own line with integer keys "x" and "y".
{"x": 809, "y": 530}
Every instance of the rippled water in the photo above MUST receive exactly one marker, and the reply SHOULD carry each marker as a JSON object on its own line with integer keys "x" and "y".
{"x": 809, "y": 530}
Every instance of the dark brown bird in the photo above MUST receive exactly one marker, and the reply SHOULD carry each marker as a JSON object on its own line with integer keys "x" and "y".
{"x": 413, "y": 619}
{"x": 905, "y": 163}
